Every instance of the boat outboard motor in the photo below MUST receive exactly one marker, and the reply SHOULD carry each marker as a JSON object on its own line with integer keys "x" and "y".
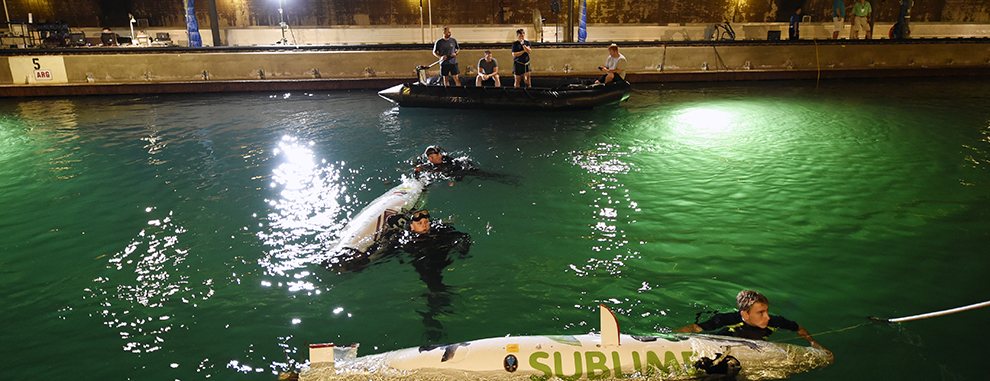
{"x": 723, "y": 365}
{"x": 421, "y": 73}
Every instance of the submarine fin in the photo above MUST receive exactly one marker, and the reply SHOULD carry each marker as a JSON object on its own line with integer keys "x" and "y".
{"x": 610, "y": 327}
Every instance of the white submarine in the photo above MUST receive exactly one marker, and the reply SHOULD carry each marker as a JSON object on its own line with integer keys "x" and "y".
{"x": 605, "y": 356}
{"x": 367, "y": 227}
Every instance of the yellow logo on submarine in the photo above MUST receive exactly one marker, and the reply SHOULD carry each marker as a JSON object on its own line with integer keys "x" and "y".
{"x": 598, "y": 365}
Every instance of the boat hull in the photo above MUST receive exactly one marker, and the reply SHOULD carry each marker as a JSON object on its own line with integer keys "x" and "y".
{"x": 546, "y": 94}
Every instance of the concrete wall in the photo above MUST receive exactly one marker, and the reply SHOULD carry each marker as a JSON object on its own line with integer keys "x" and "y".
{"x": 81, "y": 68}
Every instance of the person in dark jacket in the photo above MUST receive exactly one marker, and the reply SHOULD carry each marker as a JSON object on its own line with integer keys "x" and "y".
{"x": 753, "y": 321}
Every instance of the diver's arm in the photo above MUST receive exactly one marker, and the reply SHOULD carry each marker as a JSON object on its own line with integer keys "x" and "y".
{"x": 814, "y": 344}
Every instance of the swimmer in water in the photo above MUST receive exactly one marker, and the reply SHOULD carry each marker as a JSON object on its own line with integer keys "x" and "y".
{"x": 431, "y": 245}
{"x": 416, "y": 233}
{"x": 753, "y": 321}
{"x": 439, "y": 165}
{"x": 436, "y": 165}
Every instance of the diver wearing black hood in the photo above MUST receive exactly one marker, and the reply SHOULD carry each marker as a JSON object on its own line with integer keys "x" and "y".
{"x": 440, "y": 165}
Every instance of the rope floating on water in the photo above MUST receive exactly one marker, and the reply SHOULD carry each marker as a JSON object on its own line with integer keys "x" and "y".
{"x": 933, "y": 314}
{"x": 822, "y": 333}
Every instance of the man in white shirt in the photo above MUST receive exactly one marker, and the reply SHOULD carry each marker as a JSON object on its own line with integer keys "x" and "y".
{"x": 615, "y": 66}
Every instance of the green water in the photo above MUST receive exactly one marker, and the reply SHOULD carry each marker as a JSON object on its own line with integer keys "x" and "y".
{"x": 173, "y": 237}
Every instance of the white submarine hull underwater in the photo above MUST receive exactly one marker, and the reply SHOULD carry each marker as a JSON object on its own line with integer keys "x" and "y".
{"x": 369, "y": 224}
{"x": 608, "y": 355}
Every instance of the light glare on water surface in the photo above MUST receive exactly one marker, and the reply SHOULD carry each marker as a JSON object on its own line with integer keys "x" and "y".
{"x": 179, "y": 237}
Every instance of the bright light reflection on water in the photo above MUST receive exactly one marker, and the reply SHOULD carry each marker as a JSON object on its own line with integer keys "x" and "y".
{"x": 306, "y": 215}
{"x": 145, "y": 275}
{"x": 704, "y": 122}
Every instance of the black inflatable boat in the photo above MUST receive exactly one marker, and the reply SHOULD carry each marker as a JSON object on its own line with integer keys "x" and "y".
{"x": 546, "y": 94}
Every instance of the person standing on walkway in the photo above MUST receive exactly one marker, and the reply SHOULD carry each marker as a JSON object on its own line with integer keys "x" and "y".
{"x": 794, "y": 29}
{"x": 862, "y": 13}
{"x": 873, "y": 7}
{"x": 838, "y": 14}
{"x": 446, "y": 50}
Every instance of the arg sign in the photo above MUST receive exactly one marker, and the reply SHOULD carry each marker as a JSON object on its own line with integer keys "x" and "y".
{"x": 38, "y": 70}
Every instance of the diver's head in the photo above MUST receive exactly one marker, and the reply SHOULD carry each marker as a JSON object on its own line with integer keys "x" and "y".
{"x": 754, "y": 308}
{"x": 420, "y": 222}
{"x": 434, "y": 154}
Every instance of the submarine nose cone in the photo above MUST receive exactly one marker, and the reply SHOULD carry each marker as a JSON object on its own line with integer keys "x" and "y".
{"x": 393, "y": 93}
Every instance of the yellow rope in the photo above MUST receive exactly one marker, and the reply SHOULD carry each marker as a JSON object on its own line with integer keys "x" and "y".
{"x": 824, "y": 333}
{"x": 818, "y": 63}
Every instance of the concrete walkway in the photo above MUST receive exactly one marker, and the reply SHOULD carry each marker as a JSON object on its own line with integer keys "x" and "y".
{"x": 34, "y": 72}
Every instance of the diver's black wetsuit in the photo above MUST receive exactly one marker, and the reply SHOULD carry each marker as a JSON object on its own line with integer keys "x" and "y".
{"x": 448, "y": 168}
{"x": 732, "y": 324}
{"x": 431, "y": 252}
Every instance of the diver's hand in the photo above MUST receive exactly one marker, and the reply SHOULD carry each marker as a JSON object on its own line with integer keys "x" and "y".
{"x": 397, "y": 221}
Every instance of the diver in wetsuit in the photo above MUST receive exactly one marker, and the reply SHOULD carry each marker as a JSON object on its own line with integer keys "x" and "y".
{"x": 430, "y": 244}
{"x": 753, "y": 321}
{"x": 439, "y": 165}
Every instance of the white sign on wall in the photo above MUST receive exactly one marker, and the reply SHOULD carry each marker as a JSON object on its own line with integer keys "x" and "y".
{"x": 38, "y": 70}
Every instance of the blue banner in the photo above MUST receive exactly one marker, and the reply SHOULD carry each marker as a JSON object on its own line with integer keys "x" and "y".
{"x": 583, "y": 27}
{"x": 192, "y": 26}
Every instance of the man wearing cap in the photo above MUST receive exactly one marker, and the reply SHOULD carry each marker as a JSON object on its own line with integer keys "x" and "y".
{"x": 615, "y": 66}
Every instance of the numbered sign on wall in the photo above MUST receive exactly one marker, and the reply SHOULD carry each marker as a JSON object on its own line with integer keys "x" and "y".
{"x": 38, "y": 70}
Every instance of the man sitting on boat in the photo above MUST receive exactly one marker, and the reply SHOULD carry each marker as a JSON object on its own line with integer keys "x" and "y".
{"x": 615, "y": 66}
{"x": 488, "y": 71}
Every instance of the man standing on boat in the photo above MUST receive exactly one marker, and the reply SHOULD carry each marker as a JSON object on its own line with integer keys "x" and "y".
{"x": 863, "y": 12}
{"x": 520, "y": 58}
{"x": 446, "y": 50}
{"x": 615, "y": 66}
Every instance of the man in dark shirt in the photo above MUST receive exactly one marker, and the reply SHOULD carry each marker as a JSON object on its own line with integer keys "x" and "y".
{"x": 520, "y": 58}
{"x": 446, "y": 50}
{"x": 752, "y": 321}
{"x": 488, "y": 71}
{"x": 794, "y": 28}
